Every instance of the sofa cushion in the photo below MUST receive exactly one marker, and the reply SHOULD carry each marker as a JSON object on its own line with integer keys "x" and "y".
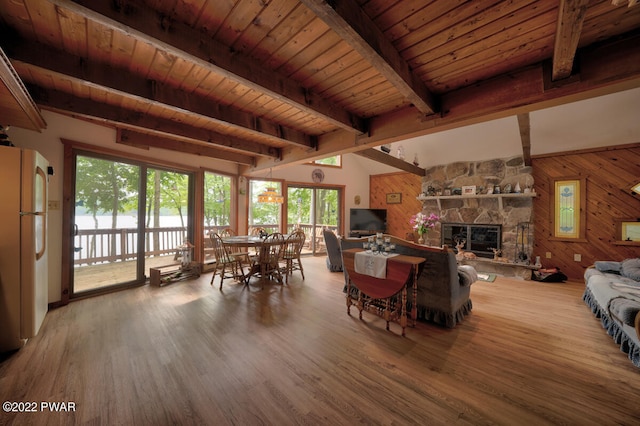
{"x": 608, "y": 266}
{"x": 624, "y": 310}
{"x": 630, "y": 268}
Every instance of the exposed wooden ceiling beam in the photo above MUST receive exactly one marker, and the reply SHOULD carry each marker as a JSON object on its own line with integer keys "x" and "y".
{"x": 605, "y": 69}
{"x": 525, "y": 137}
{"x": 16, "y": 99}
{"x": 348, "y": 20}
{"x": 133, "y": 138}
{"x": 122, "y": 118}
{"x": 184, "y": 42}
{"x": 110, "y": 79}
{"x": 390, "y": 160}
{"x": 571, "y": 15}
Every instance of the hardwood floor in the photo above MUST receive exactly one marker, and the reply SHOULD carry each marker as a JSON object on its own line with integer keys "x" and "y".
{"x": 530, "y": 353}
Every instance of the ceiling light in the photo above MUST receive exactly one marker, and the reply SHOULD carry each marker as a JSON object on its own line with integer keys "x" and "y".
{"x": 270, "y": 196}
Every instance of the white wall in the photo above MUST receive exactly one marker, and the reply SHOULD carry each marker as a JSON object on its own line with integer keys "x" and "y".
{"x": 603, "y": 121}
{"x": 354, "y": 173}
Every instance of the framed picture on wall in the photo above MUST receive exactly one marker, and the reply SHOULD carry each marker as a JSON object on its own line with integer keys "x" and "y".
{"x": 394, "y": 198}
{"x": 469, "y": 190}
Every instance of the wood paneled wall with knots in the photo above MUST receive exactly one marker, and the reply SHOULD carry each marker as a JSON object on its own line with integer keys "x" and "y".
{"x": 609, "y": 173}
{"x": 398, "y": 215}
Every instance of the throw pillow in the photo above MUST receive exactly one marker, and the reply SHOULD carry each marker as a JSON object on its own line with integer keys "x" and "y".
{"x": 630, "y": 268}
{"x": 608, "y": 266}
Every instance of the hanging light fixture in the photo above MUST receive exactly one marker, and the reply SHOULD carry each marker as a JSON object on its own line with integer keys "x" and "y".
{"x": 270, "y": 195}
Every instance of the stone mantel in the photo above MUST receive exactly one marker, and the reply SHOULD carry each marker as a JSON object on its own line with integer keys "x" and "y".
{"x": 499, "y": 197}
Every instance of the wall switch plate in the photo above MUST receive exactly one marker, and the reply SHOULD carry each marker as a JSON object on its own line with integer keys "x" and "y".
{"x": 548, "y": 255}
{"x": 577, "y": 257}
{"x": 53, "y": 205}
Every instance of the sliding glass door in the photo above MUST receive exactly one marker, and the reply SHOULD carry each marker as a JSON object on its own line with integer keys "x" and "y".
{"x": 312, "y": 209}
{"x": 105, "y": 224}
{"x": 217, "y": 209}
{"x": 167, "y": 214}
{"x": 127, "y": 218}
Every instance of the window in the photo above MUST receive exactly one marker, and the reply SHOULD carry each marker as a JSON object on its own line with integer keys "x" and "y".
{"x": 569, "y": 220}
{"x": 628, "y": 232}
{"x": 264, "y": 215}
{"x": 217, "y": 201}
{"x": 217, "y": 208}
{"x": 335, "y": 161}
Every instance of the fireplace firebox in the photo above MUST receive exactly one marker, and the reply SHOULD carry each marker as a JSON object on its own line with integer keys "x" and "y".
{"x": 481, "y": 239}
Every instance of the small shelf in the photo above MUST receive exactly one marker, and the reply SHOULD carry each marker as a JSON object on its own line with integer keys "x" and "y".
{"x": 626, "y": 243}
{"x": 499, "y": 197}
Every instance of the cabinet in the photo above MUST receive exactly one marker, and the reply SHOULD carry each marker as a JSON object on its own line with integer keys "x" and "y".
{"x": 499, "y": 197}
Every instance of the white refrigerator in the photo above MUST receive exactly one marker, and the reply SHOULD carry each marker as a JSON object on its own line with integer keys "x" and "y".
{"x": 23, "y": 245}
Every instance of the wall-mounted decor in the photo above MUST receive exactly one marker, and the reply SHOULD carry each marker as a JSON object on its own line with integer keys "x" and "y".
{"x": 317, "y": 175}
{"x": 394, "y": 198}
{"x": 469, "y": 190}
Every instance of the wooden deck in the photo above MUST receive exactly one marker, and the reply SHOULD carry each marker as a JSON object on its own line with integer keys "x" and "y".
{"x": 90, "y": 277}
{"x": 89, "y": 274}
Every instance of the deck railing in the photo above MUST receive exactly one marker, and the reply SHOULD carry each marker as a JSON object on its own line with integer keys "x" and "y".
{"x": 119, "y": 244}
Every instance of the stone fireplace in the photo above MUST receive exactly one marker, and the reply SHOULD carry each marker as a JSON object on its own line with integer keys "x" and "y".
{"x": 480, "y": 239}
{"x": 512, "y": 211}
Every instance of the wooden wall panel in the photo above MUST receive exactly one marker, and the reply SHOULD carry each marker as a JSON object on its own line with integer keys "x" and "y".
{"x": 398, "y": 215}
{"x": 609, "y": 173}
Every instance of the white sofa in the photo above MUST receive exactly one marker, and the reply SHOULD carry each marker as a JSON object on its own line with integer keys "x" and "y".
{"x": 613, "y": 294}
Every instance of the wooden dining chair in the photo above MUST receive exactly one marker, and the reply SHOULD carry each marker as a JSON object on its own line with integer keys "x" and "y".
{"x": 266, "y": 264}
{"x": 227, "y": 232}
{"x": 291, "y": 253}
{"x": 256, "y": 230}
{"x": 242, "y": 255}
{"x": 225, "y": 259}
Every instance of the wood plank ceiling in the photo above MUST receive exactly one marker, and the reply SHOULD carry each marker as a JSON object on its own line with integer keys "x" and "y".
{"x": 275, "y": 82}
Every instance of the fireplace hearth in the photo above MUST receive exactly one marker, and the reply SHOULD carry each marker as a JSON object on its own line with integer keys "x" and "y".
{"x": 481, "y": 239}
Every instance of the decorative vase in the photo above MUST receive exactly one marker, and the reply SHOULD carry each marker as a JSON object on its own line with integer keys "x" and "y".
{"x": 420, "y": 238}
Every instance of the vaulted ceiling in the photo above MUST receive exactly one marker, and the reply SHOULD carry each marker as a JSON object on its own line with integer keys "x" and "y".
{"x": 275, "y": 82}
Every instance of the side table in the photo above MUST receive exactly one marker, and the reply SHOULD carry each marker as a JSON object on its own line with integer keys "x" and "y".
{"x": 380, "y": 295}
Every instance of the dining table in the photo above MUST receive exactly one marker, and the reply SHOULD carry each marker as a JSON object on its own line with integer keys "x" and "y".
{"x": 259, "y": 243}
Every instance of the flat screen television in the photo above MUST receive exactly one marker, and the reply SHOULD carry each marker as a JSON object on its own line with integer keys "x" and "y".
{"x": 368, "y": 220}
